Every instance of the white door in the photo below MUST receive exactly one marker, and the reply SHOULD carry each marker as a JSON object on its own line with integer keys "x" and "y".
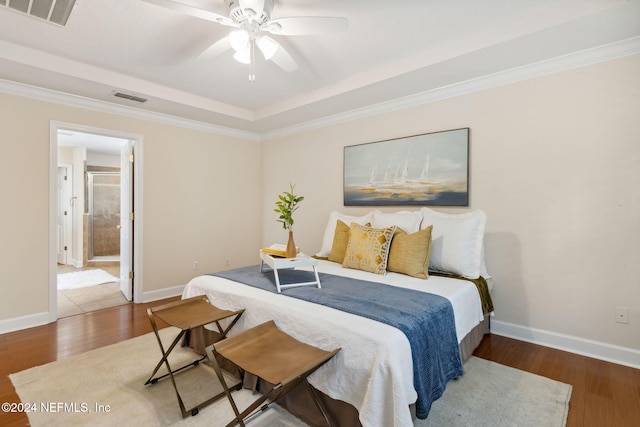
{"x": 126, "y": 222}
{"x": 63, "y": 219}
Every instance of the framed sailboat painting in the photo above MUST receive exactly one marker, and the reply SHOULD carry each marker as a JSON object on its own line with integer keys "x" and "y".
{"x": 428, "y": 169}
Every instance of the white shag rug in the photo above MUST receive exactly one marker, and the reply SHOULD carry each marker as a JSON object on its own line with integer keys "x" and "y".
{"x": 84, "y": 278}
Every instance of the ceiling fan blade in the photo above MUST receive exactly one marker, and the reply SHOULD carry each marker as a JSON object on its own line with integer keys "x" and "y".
{"x": 306, "y": 25}
{"x": 216, "y": 49}
{"x": 193, "y": 11}
{"x": 283, "y": 60}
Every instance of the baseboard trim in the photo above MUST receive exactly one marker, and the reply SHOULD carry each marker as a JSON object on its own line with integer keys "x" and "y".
{"x": 162, "y": 293}
{"x": 39, "y": 319}
{"x": 24, "y": 322}
{"x": 595, "y": 349}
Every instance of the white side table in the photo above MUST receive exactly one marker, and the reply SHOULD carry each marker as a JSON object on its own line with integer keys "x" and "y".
{"x": 277, "y": 263}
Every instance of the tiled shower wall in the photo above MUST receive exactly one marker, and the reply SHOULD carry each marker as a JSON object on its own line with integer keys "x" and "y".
{"x": 106, "y": 215}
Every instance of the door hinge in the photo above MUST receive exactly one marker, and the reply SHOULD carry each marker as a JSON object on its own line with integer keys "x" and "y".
{"x": 132, "y": 216}
{"x": 65, "y": 213}
{"x": 65, "y": 177}
{"x": 131, "y": 158}
{"x": 65, "y": 248}
{"x": 131, "y": 275}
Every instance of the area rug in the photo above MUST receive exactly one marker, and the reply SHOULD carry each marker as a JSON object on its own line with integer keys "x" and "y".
{"x": 105, "y": 387}
{"x": 490, "y": 394}
{"x": 84, "y": 278}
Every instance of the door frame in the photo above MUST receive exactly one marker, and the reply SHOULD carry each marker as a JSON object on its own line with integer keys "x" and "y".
{"x": 67, "y": 191}
{"x": 137, "y": 140}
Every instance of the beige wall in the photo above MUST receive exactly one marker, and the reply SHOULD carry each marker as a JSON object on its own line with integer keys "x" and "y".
{"x": 201, "y": 195}
{"x": 555, "y": 164}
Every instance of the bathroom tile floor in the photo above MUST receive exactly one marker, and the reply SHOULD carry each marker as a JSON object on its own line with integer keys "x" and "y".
{"x": 90, "y": 298}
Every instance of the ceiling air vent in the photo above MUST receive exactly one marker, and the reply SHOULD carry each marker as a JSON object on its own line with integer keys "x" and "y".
{"x": 54, "y": 11}
{"x": 130, "y": 97}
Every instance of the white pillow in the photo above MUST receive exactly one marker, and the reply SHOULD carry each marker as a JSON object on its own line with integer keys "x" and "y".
{"x": 457, "y": 242}
{"x": 409, "y": 221}
{"x": 483, "y": 267}
{"x": 330, "y": 230}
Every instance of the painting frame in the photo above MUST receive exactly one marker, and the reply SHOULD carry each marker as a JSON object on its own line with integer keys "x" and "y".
{"x": 430, "y": 169}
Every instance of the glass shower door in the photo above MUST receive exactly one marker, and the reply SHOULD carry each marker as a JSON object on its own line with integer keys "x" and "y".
{"x": 104, "y": 215}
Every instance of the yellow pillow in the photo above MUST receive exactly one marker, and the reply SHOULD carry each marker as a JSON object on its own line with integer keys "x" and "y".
{"x": 340, "y": 241}
{"x": 368, "y": 248}
{"x": 409, "y": 253}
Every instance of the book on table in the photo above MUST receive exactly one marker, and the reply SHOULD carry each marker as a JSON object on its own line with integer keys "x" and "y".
{"x": 277, "y": 250}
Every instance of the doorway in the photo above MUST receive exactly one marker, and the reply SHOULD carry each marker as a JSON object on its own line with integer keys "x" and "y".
{"x": 96, "y": 261}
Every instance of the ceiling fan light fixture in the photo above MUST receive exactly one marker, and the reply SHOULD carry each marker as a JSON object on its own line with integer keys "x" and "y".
{"x": 243, "y": 56}
{"x": 250, "y": 19}
{"x": 239, "y": 40}
{"x": 267, "y": 46}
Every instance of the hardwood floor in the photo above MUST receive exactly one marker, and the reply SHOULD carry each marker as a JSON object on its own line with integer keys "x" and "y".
{"x": 65, "y": 338}
{"x": 604, "y": 394}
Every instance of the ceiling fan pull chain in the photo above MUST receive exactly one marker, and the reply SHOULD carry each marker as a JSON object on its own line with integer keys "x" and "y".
{"x": 252, "y": 50}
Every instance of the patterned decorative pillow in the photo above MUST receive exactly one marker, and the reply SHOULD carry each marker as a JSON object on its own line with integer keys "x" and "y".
{"x": 340, "y": 241}
{"x": 410, "y": 253}
{"x": 368, "y": 248}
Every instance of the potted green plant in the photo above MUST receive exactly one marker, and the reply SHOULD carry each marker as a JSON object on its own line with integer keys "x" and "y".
{"x": 287, "y": 203}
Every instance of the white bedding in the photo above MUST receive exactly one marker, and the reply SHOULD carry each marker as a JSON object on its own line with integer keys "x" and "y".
{"x": 373, "y": 371}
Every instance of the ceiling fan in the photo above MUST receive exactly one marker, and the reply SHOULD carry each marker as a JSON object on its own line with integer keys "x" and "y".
{"x": 251, "y": 20}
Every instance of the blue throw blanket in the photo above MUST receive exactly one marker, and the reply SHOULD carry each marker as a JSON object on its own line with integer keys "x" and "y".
{"x": 426, "y": 319}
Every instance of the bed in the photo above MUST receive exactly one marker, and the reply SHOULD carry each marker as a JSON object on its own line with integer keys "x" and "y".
{"x": 372, "y": 378}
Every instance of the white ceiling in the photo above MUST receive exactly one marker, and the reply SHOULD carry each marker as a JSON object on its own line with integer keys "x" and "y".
{"x": 94, "y": 143}
{"x": 392, "y": 49}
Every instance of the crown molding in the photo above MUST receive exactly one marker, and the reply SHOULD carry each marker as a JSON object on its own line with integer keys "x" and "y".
{"x": 566, "y": 62}
{"x": 56, "y": 97}
{"x": 574, "y": 60}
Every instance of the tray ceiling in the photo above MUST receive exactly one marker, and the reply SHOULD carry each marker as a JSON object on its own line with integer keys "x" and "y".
{"x": 392, "y": 50}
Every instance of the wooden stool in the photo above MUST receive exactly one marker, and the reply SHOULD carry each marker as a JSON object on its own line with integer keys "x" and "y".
{"x": 188, "y": 314}
{"x": 274, "y": 356}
